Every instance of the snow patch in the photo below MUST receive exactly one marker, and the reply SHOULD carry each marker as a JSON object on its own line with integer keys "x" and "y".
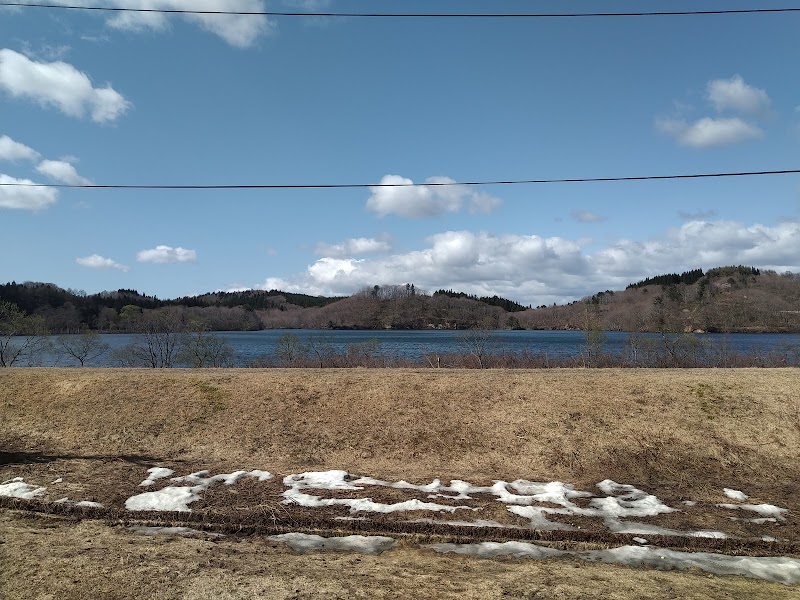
{"x": 84, "y": 503}
{"x": 302, "y": 542}
{"x": 495, "y": 549}
{"x": 767, "y": 510}
{"x": 617, "y": 526}
{"x": 735, "y": 494}
{"x": 320, "y": 480}
{"x": 171, "y": 499}
{"x": 17, "y": 488}
{"x": 177, "y": 499}
{"x": 155, "y": 474}
{"x": 777, "y": 569}
{"x": 336, "y": 480}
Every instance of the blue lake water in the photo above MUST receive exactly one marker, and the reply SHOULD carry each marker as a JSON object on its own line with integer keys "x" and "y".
{"x": 413, "y": 345}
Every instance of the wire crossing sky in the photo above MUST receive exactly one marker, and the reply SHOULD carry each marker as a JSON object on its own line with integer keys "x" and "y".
{"x": 443, "y": 138}
{"x": 396, "y": 184}
{"x": 420, "y": 15}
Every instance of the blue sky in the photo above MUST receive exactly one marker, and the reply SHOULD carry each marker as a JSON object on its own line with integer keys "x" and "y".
{"x": 148, "y": 99}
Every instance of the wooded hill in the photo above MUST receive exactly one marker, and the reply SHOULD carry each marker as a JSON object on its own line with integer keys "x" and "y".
{"x": 725, "y": 299}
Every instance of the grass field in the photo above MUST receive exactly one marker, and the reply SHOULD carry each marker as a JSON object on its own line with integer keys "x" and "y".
{"x": 678, "y": 434}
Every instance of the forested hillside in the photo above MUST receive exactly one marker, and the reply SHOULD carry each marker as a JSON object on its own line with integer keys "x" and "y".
{"x": 725, "y": 299}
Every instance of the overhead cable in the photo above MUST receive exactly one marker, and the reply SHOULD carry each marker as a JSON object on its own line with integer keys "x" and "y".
{"x": 313, "y": 186}
{"x": 269, "y": 13}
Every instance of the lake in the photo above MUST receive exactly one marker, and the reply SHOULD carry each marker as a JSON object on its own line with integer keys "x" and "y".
{"x": 413, "y": 345}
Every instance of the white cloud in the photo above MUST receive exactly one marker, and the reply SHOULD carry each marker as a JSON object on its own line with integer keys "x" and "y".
{"x": 536, "y": 270}
{"x": 61, "y": 171}
{"x": 61, "y": 85}
{"x": 95, "y": 261}
{"x": 25, "y": 198}
{"x": 707, "y": 132}
{"x": 400, "y": 197}
{"x": 166, "y": 254}
{"x": 586, "y": 216}
{"x": 11, "y": 150}
{"x": 352, "y": 247}
{"x": 734, "y": 94}
{"x": 241, "y": 31}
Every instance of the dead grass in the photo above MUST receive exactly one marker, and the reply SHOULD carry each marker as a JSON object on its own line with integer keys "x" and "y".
{"x": 44, "y": 558}
{"x": 681, "y": 433}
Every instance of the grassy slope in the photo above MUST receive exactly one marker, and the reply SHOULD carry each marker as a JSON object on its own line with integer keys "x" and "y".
{"x": 667, "y": 428}
{"x": 675, "y": 433}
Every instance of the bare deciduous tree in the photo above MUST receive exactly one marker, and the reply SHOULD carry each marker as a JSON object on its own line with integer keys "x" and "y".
{"x": 83, "y": 347}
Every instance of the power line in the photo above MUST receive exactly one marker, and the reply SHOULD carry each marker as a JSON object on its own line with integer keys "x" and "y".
{"x": 666, "y": 13}
{"x": 314, "y": 186}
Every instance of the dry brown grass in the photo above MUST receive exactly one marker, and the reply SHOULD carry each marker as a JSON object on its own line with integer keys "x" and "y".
{"x": 676, "y": 433}
{"x": 46, "y": 558}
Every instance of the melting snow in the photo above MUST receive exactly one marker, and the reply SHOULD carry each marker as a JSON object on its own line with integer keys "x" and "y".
{"x": 17, "y": 488}
{"x": 778, "y": 569}
{"x": 177, "y": 499}
{"x": 335, "y": 480}
{"x": 768, "y": 510}
{"x": 302, "y": 542}
{"x": 85, "y": 503}
{"x": 735, "y": 494}
{"x": 155, "y": 474}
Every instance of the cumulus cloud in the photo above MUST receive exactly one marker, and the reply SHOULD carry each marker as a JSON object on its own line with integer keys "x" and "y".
{"x": 707, "y": 132}
{"x": 60, "y": 85}
{"x": 397, "y": 195}
{"x": 586, "y": 216}
{"x": 353, "y": 247}
{"x": 537, "y": 270}
{"x": 734, "y": 94}
{"x": 241, "y": 31}
{"x": 95, "y": 261}
{"x": 24, "y": 198}
{"x": 11, "y": 150}
{"x": 62, "y": 171}
{"x": 724, "y": 95}
{"x": 166, "y": 254}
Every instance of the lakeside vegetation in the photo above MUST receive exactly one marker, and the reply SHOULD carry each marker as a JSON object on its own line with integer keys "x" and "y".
{"x": 177, "y": 332}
